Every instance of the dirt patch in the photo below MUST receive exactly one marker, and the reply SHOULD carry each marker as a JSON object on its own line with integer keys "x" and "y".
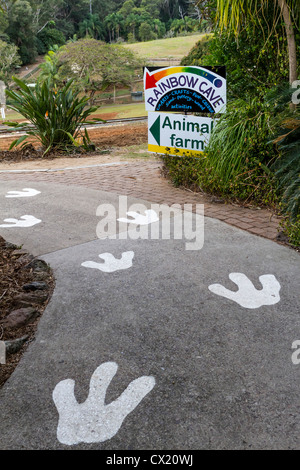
{"x": 120, "y": 135}
{"x": 105, "y": 116}
{"x": 26, "y": 286}
{"x": 105, "y": 138}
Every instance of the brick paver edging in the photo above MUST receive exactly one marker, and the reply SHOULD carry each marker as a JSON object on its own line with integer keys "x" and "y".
{"x": 143, "y": 179}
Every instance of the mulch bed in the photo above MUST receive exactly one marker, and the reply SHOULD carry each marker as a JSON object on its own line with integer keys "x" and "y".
{"x": 107, "y": 139}
{"x": 30, "y": 153}
{"x": 26, "y": 285}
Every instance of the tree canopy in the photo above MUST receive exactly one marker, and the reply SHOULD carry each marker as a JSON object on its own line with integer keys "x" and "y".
{"x": 35, "y": 26}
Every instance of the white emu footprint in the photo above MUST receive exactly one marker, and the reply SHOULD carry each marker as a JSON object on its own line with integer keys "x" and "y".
{"x": 247, "y": 296}
{"x": 93, "y": 420}
{"x": 24, "y": 221}
{"x": 26, "y": 192}
{"x": 111, "y": 264}
{"x": 140, "y": 219}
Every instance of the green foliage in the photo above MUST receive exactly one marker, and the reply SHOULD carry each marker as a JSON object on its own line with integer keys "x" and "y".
{"x": 146, "y": 33}
{"x": 291, "y": 228}
{"x": 253, "y": 184}
{"x": 253, "y": 67}
{"x": 287, "y": 166}
{"x": 48, "y": 38}
{"x": 9, "y": 60}
{"x": 184, "y": 171}
{"x": 95, "y": 65}
{"x": 241, "y": 136}
{"x": 197, "y": 54}
{"x": 49, "y": 68}
{"x": 35, "y": 26}
{"x": 252, "y": 157}
{"x": 21, "y": 30}
{"x": 57, "y": 114}
{"x": 91, "y": 27}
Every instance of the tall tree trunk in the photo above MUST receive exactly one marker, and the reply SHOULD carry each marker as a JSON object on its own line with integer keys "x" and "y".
{"x": 291, "y": 40}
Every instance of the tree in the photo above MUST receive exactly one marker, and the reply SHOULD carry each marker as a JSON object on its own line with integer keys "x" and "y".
{"x": 44, "y": 12}
{"x": 9, "y": 60}
{"x": 120, "y": 70}
{"x": 146, "y": 33}
{"x": 127, "y": 8}
{"x": 233, "y": 14}
{"x": 132, "y": 21}
{"x": 152, "y": 7}
{"x": 95, "y": 65}
{"x": 92, "y": 27}
{"x": 20, "y": 30}
{"x": 3, "y": 24}
{"x": 48, "y": 38}
{"x": 114, "y": 22}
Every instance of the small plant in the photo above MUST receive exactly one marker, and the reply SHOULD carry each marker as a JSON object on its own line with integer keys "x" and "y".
{"x": 57, "y": 114}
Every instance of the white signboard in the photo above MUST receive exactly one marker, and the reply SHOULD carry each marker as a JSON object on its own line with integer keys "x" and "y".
{"x": 185, "y": 89}
{"x": 177, "y": 134}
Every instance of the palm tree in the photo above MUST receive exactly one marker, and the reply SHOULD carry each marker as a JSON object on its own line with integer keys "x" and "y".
{"x": 232, "y": 14}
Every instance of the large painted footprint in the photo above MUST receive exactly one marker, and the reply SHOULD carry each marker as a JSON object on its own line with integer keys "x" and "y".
{"x": 139, "y": 219}
{"x": 111, "y": 264}
{"x": 24, "y": 221}
{"x": 26, "y": 192}
{"x": 247, "y": 296}
{"x": 93, "y": 420}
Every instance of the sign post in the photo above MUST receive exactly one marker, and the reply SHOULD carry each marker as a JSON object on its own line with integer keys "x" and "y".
{"x": 178, "y": 134}
{"x": 182, "y": 90}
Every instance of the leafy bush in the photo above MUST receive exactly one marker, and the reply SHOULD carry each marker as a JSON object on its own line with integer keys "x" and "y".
{"x": 252, "y": 185}
{"x": 48, "y": 38}
{"x": 198, "y": 52}
{"x": 252, "y": 65}
{"x": 184, "y": 171}
{"x": 287, "y": 166}
{"x": 57, "y": 114}
{"x": 253, "y": 156}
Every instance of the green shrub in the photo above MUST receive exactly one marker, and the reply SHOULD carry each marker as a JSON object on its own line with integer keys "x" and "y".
{"x": 48, "y": 38}
{"x": 291, "y": 228}
{"x": 240, "y": 153}
{"x": 287, "y": 166}
{"x": 252, "y": 65}
{"x": 252, "y": 185}
{"x": 57, "y": 114}
{"x": 183, "y": 171}
{"x": 198, "y": 52}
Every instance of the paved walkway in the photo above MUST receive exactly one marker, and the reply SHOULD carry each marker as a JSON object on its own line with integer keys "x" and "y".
{"x": 156, "y": 346}
{"x": 143, "y": 179}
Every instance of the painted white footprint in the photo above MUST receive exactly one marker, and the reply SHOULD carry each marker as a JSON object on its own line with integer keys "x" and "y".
{"x": 247, "y": 295}
{"x": 140, "y": 219}
{"x": 93, "y": 420}
{"x": 26, "y": 192}
{"x": 24, "y": 221}
{"x": 111, "y": 264}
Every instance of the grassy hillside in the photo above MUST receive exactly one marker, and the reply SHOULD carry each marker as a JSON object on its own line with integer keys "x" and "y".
{"x": 172, "y": 48}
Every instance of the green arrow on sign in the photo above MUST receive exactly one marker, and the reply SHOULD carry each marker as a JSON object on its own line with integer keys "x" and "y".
{"x": 155, "y": 130}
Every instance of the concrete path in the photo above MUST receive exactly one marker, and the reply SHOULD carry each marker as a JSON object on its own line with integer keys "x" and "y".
{"x": 151, "y": 346}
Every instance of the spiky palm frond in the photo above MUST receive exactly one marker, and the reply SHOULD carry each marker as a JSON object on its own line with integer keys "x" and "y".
{"x": 57, "y": 114}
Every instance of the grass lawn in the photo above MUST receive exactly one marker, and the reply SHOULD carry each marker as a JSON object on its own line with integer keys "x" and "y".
{"x": 175, "y": 48}
{"x": 122, "y": 111}
{"x": 105, "y": 112}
